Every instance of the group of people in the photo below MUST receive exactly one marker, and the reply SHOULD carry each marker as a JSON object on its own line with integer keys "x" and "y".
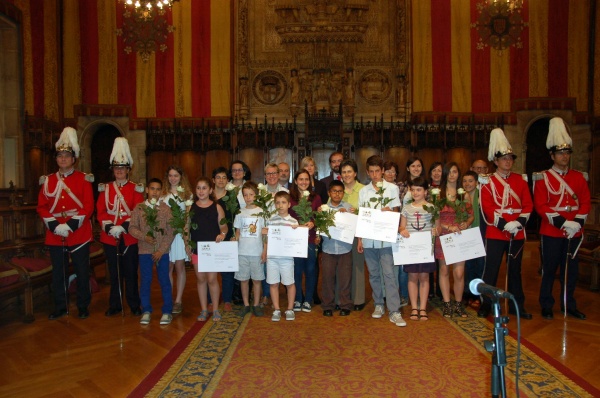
{"x": 163, "y": 230}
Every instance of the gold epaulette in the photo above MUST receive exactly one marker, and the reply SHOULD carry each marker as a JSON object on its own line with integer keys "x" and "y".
{"x": 139, "y": 187}
{"x": 101, "y": 187}
{"x": 538, "y": 175}
{"x": 89, "y": 177}
{"x": 525, "y": 177}
{"x": 42, "y": 179}
{"x": 585, "y": 175}
{"x": 484, "y": 178}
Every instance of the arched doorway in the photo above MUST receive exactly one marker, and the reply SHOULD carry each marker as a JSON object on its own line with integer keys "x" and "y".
{"x": 101, "y": 145}
{"x": 536, "y": 159}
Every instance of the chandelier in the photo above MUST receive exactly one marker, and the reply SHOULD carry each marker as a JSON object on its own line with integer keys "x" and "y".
{"x": 145, "y": 28}
{"x": 500, "y": 24}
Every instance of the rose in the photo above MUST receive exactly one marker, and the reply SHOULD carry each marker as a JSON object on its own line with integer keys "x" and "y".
{"x": 180, "y": 188}
{"x": 435, "y": 191}
{"x": 261, "y": 187}
{"x": 189, "y": 202}
{"x": 380, "y": 184}
{"x": 305, "y": 194}
{"x": 229, "y": 186}
{"x": 152, "y": 201}
{"x": 460, "y": 191}
{"x": 324, "y": 208}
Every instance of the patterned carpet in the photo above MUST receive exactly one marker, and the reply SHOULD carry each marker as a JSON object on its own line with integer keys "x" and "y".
{"x": 349, "y": 356}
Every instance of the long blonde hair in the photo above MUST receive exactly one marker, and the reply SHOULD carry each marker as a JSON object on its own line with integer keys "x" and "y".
{"x": 183, "y": 182}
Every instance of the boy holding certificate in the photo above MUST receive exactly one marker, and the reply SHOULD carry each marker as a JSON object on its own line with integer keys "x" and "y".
{"x": 252, "y": 251}
{"x": 281, "y": 269}
{"x": 336, "y": 260}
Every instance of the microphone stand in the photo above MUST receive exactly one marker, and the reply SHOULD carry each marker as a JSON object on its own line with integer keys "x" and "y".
{"x": 498, "y": 350}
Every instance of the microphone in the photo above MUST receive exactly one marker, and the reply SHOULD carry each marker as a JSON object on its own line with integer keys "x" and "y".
{"x": 477, "y": 286}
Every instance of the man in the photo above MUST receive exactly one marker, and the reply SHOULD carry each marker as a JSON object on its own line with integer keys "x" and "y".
{"x": 506, "y": 205}
{"x": 115, "y": 203}
{"x": 284, "y": 174}
{"x": 335, "y": 160}
{"x": 562, "y": 199}
{"x": 66, "y": 203}
{"x": 272, "y": 178}
{"x": 479, "y": 166}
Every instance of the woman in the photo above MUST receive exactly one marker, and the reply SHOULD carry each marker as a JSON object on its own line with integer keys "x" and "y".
{"x": 435, "y": 174}
{"x": 318, "y": 187}
{"x": 176, "y": 191}
{"x": 349, "y": 172}
{"x": 305, "y": 266}
{"x": 390, "y": 171}
{"x": 219, "y": 178}
{"x": 414, "y": 169}
{"x": 449, "y": 223}
{"x": 239, "y": 173}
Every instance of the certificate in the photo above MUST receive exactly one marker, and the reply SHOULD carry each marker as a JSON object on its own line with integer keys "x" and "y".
{"x": 345, "y": 227}
{"x": 377, "y": 224}
{"x": 413, "y": 250}
{"x": 464, "y": 246}
{"x": 285, "y": 241}
{"x": 218, "y": 257}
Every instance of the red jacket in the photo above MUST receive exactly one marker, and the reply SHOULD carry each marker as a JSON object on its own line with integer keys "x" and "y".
{"x": 501, "y": 205}
{"x": 71, "y": 202}
{"x": 555, "y": 204}
{"x": 110, "y": 211}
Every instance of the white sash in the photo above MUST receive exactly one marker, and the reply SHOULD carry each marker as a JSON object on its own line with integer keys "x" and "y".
{"x": 60, "y": 186}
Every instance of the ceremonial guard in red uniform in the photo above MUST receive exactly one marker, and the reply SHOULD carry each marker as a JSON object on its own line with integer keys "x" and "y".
{"x": 116, "y": 201}
{"x": 66, "y": 203}
{"x": 562, "y": 199}
{"x": 506, "y": 204}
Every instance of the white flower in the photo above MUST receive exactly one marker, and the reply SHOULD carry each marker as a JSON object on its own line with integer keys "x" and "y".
{"x": 460, "y": 191}
{"x": 153, "y": 201}
{"x": 180, "y": 189}
{"x": 189, "y": 202}
{"x": 380, "y": 184}
{"x": 305, "y": 194}
{"x": 229, "y": 186}
{"x": 324, "y": 208}
{"x": 435, "y": 191}
{"x": 262, "y": 187}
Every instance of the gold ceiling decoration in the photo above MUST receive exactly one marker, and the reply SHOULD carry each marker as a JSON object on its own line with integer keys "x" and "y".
{"x": 145, "y": 27}
{"x": 500, "y": 24}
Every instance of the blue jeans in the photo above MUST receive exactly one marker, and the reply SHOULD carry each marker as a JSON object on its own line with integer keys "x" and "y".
{"x": 308, "y": 267}
{"x": 382, "y": 259}
{"x": 265, "y": 286}
{"x": 227, "y": 282}
{"x": 162, "y": 270}
{"x": 403, "y": 281}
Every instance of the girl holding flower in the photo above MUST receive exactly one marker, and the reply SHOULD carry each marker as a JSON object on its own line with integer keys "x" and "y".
{"x": 414, "y": 168}
{"x": 302, "y": 194}
{"x": 456, "y": 214}
{"x": 177, "y": 193}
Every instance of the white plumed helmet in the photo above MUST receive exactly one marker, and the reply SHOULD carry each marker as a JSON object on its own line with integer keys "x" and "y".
{"x": 67, "y": 142}
{"x": 121, "y": 156}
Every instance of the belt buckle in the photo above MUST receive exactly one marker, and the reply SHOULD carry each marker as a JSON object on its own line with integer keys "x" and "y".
{"x": 568, "y": 208}
{"x": 64, "y": 214}
{"x": 510, "y": 211}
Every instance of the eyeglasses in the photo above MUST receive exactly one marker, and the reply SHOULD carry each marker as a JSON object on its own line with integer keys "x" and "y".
{"x": 237, "y": 170}
{"x": 390, "y": 172}
{"x": 336, "y": 191}
{"x": 273, "y": 174}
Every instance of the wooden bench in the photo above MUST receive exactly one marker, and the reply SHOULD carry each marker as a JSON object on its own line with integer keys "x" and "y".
{"x": 589, "y": 253}
{"x": 14, "y": 282}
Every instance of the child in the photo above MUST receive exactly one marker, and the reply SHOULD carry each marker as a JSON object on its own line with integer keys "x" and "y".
{"x": 153, "y": 246}
{"x": 416, "y": 219}
{"x": 282, "y": 268}
{"x": 378, "y": 254}
{"x": 336, "y": 261}
{"x": 252, "y": 251}
{"x": 206, "y": 216}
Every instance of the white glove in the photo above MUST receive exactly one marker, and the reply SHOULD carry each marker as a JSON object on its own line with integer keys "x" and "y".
{"x": 571, "y": 228}
{"x": 116, "y": 231}
{"x": 62, "y": 230}
{"x": 512, "y": 227}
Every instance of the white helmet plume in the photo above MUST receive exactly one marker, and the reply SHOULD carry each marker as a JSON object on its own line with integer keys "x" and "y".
{"x": 121, "y": 156}
{"x": 68, "y": 141}
{"x": 499, "y": 145}
{"x": 558, "y": 138}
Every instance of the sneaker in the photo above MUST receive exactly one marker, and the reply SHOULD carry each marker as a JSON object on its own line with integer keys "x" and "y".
{"x": 297, "y": 306}
{"x": 379, "y": 311}
{"x": 245, "y": 310}
{"x": 306, "y": 307}
{"x": 289, "y": 315}
{"x": 257, "y": 311}
{"x": 177, "y": 308}
{"x": 145, "y": 318}
{"x": 276, "y": 316}
{"x": 166, "y": 319}
{"x": 403, "y": 301}
{"x": 396, "y": 317}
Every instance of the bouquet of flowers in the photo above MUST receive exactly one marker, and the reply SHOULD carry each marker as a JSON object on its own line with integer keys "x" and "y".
{"x": 264, "y": 201}
{"x": 303, "y": 209}
{"x": 179, "y": 215}
{"x": 438, "y": 204}
{"x": 151, "y": 216}
{"x": 323, "y": 219}
{"x": 460, "y": 206}
{"x": 380, "y": 200}
{"x": 232, "y": 206}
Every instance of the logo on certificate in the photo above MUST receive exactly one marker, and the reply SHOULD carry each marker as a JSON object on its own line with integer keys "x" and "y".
{"x": 205, "y": 248}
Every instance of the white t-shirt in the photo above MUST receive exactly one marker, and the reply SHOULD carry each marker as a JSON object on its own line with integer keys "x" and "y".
{"x": 250, "y": 226}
